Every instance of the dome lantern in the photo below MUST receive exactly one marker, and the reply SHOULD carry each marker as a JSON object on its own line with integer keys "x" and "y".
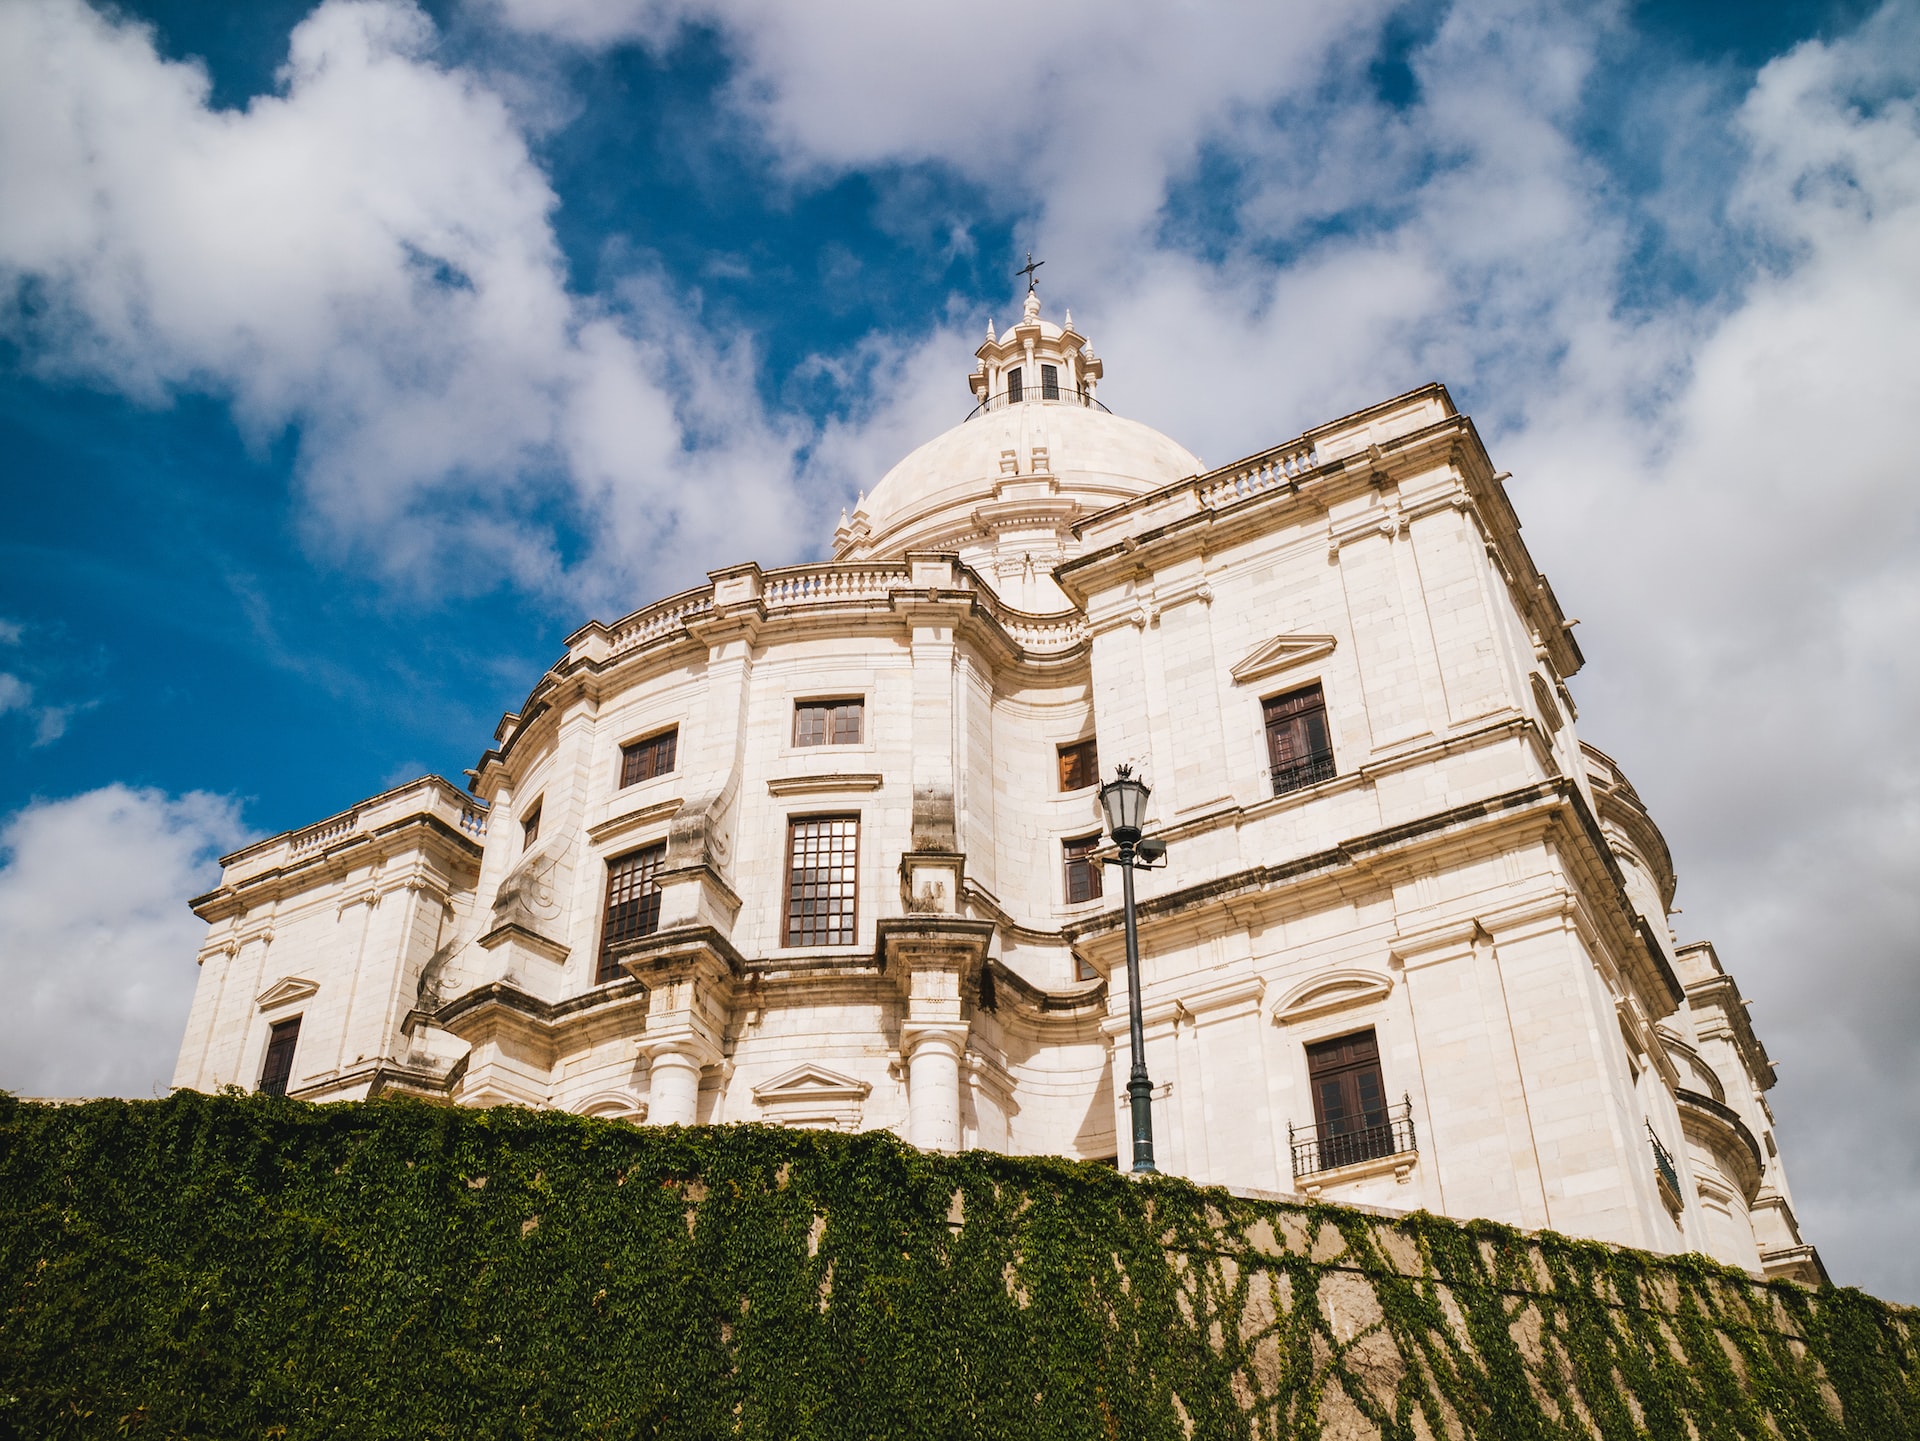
{"x": 1035, "y": 360}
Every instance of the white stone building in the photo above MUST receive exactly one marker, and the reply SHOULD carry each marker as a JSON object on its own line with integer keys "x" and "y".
{"x": 816, "y": 846}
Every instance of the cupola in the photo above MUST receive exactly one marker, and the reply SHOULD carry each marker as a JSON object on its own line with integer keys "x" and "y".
{"x": 1034, "y": 361}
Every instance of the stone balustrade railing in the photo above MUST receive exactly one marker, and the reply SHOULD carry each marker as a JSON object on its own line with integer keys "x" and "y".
{"x": 1266, "y": 471}
{"x": 324, "y": 834}
{"x": 659, "y": 618}
{"x": 430, "y": 795}
{"x": 792, "y": 588}
{"x": 828, "y": 584}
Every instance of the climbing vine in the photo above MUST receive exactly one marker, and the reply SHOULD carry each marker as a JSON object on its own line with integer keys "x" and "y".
{"x": 238, "y": 1266}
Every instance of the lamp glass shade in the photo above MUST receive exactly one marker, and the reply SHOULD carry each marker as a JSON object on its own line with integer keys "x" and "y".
{"x": 1125, "y": 802}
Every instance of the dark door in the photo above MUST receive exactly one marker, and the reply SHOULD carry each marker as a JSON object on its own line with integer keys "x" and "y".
{"x": 1349, "y": 1101}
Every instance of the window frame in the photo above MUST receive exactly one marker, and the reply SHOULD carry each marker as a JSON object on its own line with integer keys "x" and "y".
{"x": 1049, "y": 382}
{"x": 605, "y": 968}
{"x": 289, "y": 1028}
{"x": 794, "y": 822}
{"x": 1320, "y": 1072}
{"x": 630, "y": 752}
{"x": 1089, "y": 744}
{"x": 829, "y": 705}
{"x": 1016, "y": 386}
{"x": 1084, "y": 860}
{"x": 530, "y": 825}
{"x": 1314, "y": 765}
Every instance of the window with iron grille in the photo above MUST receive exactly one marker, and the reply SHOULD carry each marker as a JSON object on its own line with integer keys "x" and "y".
{"x": 1049, "y": 382}
{"x": 1298, "y": 747}
{"x": 530, "y": 827}
{"x": 1015, "y": 391}
{"x": 278, "y": 1069}
{"x": 828, "y": 722}
{"x": 1079, "y": 766}
{"x": 823, "y": 866}
{"x": 1083, "y": 871}
{"x": 644, "y": 759}
{"x": 1349, "y": 1101}
{"x": 633, "y": 905}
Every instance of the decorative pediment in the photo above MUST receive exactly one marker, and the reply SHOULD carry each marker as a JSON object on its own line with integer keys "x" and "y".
{"x": 809, "y": 1082}
{"x": 1332, "y": 991}
{"x": 1281, "y": 653}
{"x": 811, "y": 1095}
{"x": 285, "y": 991}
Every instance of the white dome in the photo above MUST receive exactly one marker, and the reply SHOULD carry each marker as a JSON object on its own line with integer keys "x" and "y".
{"x": 1077, "y": 453}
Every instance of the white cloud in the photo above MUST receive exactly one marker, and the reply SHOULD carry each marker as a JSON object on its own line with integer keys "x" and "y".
{"x": 367, "y": 256}
{"x": 15, "y": 694}
{"x": 96, "y": 941}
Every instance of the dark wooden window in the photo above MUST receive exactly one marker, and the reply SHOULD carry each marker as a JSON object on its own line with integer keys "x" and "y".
{"x": 828, "y": 722}
{"x": 1298, "y": 748}
{"x": 1082, "y": 971}
{"x": 1015, "y": 390}
{"x": 633, "y": 905}
{"x": 1083, "y": 871}
{"x": 279, "y": 1066}
{"x": 530, "y": 828}
{"x": 823, "y": 880}
{"x": 645, "y": 759}
{"x": 1348, "y": 1097}
{"x": 1079, "y": 766}
{"x": 1049, "y": 382}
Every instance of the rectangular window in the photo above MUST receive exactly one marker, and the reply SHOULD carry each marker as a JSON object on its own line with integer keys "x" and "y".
{"x": 645, "y": 759}
{"x": 1083, "y": 871}
{"x": 1049, "y": 382}
{"x": 279, "y": 1067}
{"x": 823, "y": 866}
{"x": 1015, "y": 391}
{"x": 633, "y": 905}
{"x": 1349, "y": 1101}
{"x": 828, "y": 722}
{"x": 530, "y": 828}
{"x": 1079, "y": 766}
{"x": 1298, "y": 748}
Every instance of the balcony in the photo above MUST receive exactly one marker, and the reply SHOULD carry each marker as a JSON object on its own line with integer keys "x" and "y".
{"x": 1665, "y": 1172}
{"x": 1050, "y": 394}
{"x": 1307, "y": 771}
{"x": 1376, "y": 1141}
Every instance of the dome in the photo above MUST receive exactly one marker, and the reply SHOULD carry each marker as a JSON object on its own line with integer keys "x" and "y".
{"x": 1005, "y": 486}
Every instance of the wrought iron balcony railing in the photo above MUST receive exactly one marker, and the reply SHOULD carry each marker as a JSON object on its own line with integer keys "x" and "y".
{"x": 1307, "y": 771}
{"x": 1051, "y": 394}
{"x": 1367, "y": 1137}
{"x": 1663, "y": 1167}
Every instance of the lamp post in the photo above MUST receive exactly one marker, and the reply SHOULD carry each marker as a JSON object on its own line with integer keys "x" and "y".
{"x": 1124, "y": 799}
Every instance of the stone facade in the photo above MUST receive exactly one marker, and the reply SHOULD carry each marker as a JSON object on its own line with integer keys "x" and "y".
{"x": 1460, "y": 877}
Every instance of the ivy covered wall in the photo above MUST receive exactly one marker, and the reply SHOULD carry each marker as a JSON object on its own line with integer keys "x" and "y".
{"x": 246, "y": 1267}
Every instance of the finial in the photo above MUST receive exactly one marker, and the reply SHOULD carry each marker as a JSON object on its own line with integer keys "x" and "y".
{"x": 990, "y": 336}
{"x": 1028, "y": 270}
{"x": 1031, "y": 312}
{"x": 1069, "y": 324}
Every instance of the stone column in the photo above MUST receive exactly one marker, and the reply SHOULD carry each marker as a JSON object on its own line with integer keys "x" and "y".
{"x": 674, "y": 1093}
{"x": 936, "y": 961}
{"x": 933, "y": 1054}
{"x": 689, "y": 978}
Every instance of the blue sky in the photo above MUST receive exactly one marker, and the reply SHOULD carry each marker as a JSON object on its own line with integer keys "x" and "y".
{"x": 353, "y": 355}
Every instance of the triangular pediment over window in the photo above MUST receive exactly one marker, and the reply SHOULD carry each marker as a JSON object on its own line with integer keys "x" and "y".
{"x": 811, "y": 1083}
{"x": 285, "y": 991}
{"x": 1281, "y": 653}
{"x": 811, "y": 1095}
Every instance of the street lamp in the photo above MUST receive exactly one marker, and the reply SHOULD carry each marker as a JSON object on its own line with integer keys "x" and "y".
{"x": 1124, "y": 799}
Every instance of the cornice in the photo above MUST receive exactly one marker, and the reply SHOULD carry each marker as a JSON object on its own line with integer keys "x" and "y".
{"x": 327, "y": 867}
{"x": 1714, "y": 1121}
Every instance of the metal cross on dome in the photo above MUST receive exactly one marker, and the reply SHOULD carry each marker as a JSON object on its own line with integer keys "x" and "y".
{"x": 1028, "y": 271}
